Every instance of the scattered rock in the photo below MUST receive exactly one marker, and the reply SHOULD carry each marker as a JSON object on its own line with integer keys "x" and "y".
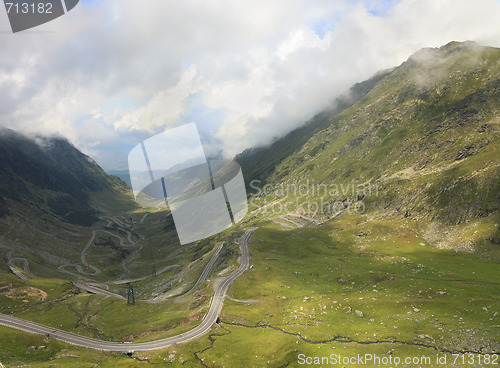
{"x": 68, "y": 356}
{"x": 416, "y": 310}
{"x": 340, "y": 280}
{"x": 424, "y": 337}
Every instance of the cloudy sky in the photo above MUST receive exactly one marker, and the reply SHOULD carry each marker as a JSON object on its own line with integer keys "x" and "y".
{"x": 112, "y": 73}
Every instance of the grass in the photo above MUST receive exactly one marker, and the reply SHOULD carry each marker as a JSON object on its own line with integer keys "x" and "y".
{"x": 111, "y": 318}
{"x": 15, "y": 293}
{"x": 421, "y": 117}
{"x": 389, "y": 282}
{"x": 20, "y": 349}
{"x": 300, "y": 297}
{"x": 310, "y": 282}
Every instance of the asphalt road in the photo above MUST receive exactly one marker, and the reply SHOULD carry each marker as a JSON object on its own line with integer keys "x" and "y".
{"x": 96, "y": 290}
{"x": 126, "y": 281}
{"x": 83, "y": 258}
{"x": 24, "y": 261}
{"x": 291, "y": 221}
{"x": 18, "y": 273}
{"x": 200, "y": 330}
{"x": 208, "y": 267}
{"x": 10, "y": 262}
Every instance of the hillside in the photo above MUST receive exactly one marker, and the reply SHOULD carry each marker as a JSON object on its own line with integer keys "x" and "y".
{"x": 52, "y": 176}
{"x": 62, "y": 216}
{"x": 378, "y": 225}
{"x": 422, "y": 142}
{"x": 357, "y": 220}
{"x": 50, "y": 196}
{"x": 260, "y": 162}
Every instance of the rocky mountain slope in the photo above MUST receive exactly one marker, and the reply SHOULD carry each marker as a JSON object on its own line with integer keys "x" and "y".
{"x": 421, "y": 142}
{"x": 50, "y": 196}
{"x": 52, "y": 176}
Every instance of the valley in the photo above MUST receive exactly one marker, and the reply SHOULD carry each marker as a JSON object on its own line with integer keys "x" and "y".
{"x": 373, "y": 229}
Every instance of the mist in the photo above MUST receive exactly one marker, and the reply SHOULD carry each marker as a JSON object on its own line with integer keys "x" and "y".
{"x": 111, "y": 74}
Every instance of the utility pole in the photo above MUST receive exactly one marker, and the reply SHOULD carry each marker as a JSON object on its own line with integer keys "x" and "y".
{"x": 130, "y": 294}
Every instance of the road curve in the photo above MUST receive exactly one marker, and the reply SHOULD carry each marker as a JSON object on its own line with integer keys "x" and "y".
{"x": 18, "y": 273}
{"x": 24, "y": 261}
{"x": 10, "y": 262}
{"x": 95, "y": 290}
{"x": 83, "y": 258}
{"x": 14, "y": 270}
{"x": 200, "y": 330}
{"x": 126, "y": 281}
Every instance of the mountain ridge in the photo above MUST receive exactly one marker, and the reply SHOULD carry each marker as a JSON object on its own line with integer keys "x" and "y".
{"x": 425, "y": 136}
{"x": 52, "y": 175}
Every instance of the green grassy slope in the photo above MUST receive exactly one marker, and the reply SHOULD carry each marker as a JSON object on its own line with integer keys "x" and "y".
{"x": 356, "y": 286}
{"x": 400, "y": 177}
{"x": 260, "y": 162}
{"x": 423, "y": 142}
{"x": 52, "y": 176}
{"x": 51, "y": 196}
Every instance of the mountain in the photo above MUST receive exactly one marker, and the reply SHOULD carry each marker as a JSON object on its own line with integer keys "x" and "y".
{"x": 349, "y": 213}
{"x": 51, "y": 194}
{"x": 123, "y": 175}
{"x": 260, "y": 162}
{"x": 52, "y": 176}
{"x": 420, "y": 141}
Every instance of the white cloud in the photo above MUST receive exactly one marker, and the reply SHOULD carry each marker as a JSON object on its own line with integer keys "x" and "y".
{"x": 268, "y": 66}
{"x": 302, "y": 38}
{"x": 164, "y": 109}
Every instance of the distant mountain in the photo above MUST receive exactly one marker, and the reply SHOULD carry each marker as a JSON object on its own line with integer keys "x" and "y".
{"x": 123, "y": 175}
{"x": 419, "y": 141}
{"x": 51, "y": 175}
{"x": 260, "y": 162}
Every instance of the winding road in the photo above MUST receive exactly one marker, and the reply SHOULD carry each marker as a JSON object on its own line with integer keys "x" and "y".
{"x": 208, "y": 267}
{"x": 11, "y": 260}
{"x": 208, "y": 320}
{"x": 126, "y": 281}
{"x": 83, "y": 258}
{"x": 95, "y": 290}
{"x": 15, "y": 271}
{"x": 95, "y": 271}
